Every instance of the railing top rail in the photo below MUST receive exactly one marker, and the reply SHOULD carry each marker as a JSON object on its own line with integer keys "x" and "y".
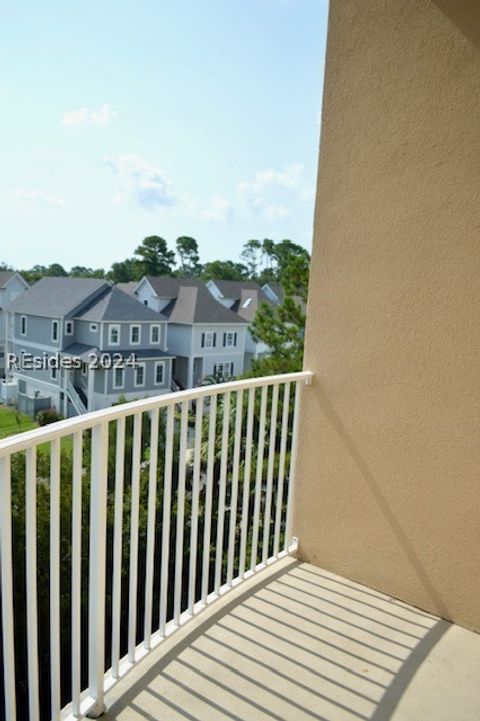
{"x": 21, "y": 441}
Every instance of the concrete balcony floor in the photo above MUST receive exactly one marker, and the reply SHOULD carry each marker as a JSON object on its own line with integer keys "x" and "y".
{"x": 298, "y": 643}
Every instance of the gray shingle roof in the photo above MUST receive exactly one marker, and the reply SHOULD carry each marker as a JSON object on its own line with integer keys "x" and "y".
{"x": 191, "y": 302}
{"x": 115, "y": 305}
{"x": 5, "y": 276}
{"x": 57, "y": 297}
{"x": 234, "y": 288}
{"x": 248, "y": 296}
{"x": 127, "y": 287}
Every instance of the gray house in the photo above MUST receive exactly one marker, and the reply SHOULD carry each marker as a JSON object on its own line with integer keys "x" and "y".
{"x": 79, "y": 344}
{"x": 244, "y": 298}
{"x": 206, "y": 338}
{"x": 12, "y": 284}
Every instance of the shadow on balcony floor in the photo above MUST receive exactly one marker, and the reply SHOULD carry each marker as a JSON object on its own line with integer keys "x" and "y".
{"x": 299, "y": 643}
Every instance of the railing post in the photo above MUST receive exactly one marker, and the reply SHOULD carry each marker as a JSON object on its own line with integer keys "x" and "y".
{"x": 7, "y": 589}
{"x": 291, "y": 543}
{"x": 97, "y": 569}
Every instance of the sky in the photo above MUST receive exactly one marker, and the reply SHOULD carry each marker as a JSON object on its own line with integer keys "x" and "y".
{"x": 123, "y": 119}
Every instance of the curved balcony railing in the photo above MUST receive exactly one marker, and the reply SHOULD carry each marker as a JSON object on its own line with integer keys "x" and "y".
{"x": 119, "y": 526}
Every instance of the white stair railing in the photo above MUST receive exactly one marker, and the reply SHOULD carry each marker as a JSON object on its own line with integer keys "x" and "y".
{"x": 75, "y": 399}
{"x": 188, "y": 542}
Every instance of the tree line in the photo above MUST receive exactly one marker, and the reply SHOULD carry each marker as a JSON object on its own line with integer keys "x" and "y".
{"x": 263, "y": 261}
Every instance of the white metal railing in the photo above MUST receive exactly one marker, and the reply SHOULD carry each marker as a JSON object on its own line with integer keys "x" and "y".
{"x": 75, "y": 399}
{"x": 138, "y": 539}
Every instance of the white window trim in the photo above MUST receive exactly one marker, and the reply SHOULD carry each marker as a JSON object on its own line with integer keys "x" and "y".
{"x": 155, "y": 342}
{"x": 93, "y": 327}
{"x": 159, "y": 364}
{"x": 23, "y": 328}
{"x": 114, "y": 326}
{"x": 136, "y": 342}
{"x": 217, "y": 370}
{"x": 115, "y": 384}
{"x": 135, "y": 384}
{"x": 69, "y": 324}
{"x": 208, "y": 337}
{"x": 227, "y": 344}
{"x": 55, "y": 324}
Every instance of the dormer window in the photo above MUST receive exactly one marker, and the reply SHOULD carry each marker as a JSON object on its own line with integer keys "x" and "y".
{"x": 134, "y": 334}
{"x": 114, "y": 335}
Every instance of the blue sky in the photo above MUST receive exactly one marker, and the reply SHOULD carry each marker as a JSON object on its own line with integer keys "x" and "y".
{"x": 122, "y": 119}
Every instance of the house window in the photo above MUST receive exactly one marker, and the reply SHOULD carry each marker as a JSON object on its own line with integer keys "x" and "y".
{"x": 154, "y": 334}
{"x": 223, "y": 369}
{"x": 145, "y": 302}
{"x": 93, "y": 327}
{"x": 68, "y": 327}
{"x": 134, "y": 334}
{"x": 118, "y": 378}
{"x": 209, "y": 339}
{"x": 55, "y": 330}
{"x": 84, "y": 369}
{"x": 23, "y": 325}
{"x": 139, "y": 379}
{"x": 229, "y": 340}
{"x": 114, "y": 334}
{"x": 53, "y": 373}
{"x": 159, "y": 373}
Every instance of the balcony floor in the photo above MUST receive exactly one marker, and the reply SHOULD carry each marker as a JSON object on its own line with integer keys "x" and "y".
{"x": 297, "y": 643}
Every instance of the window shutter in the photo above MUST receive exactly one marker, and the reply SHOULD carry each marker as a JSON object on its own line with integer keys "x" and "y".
{"x": 214, "y": 340}
{"x": 235, "y": 339}
{"x": 224, "y": 340}
{"x": 203, "y": 340}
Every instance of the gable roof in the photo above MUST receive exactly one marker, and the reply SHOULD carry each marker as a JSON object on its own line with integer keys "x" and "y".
{"x": 115, "y": 305}
{"x": 191, "y": 301}
{"x": 57, "y": 297}
{"x": 5, "y": 276}
{"x": 127, "y": 287}
{"x": 277, "y": 289}
{"x": 248, "y": 296}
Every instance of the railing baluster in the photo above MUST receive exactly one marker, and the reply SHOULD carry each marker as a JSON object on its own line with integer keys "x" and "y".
{"x": 152, "y": 506}
{"x": 222, "y": 491}
{"x": 7, "y": 588}
{"x": 246, "y": 482}
{"x": 182, "y": 467}
{"x": 212, "y": 431}
{"x": 31, "y": 580}
{"x": 55, "y": 450}
{"x": 234, "y": 495}
{"x": 167, "y": 511}
{"x": 293, "y": 453}
{"x": 258, "y": 480}
{"x": 134, "y": 512}
{"x": 195, "y": 498}
{"x": 97, "y": 568}
{"x": 271, "y": 460}
{"x": 76, "y": 582}
{"x": 117, "y": 544}
{"x": 281, "y": 469}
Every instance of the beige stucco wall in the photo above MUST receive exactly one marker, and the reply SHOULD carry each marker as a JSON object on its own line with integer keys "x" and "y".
{"x": 389, "y": 461}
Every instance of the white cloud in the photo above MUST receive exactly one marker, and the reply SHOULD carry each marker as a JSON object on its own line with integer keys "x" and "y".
{"x": 219, "y": 209}
{"x": 84, "y": 116}
{"x": 141, "y": 182}
{"x": 270, "y": 191}
{"x": 36, "y": 196}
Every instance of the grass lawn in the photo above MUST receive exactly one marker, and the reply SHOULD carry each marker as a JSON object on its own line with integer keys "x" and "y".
{"x": 11, "y": 421}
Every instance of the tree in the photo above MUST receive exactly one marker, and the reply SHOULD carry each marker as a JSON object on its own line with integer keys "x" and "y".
{"x": 224, "y": 270}
{"x": 187, "y": 250}
{"x": 282, "y": 328}
{"x": 155, "y": 258}
{"x": 251, "y": 256}
{"x": 125, "y": 271}
{"x": 80, "y": 271}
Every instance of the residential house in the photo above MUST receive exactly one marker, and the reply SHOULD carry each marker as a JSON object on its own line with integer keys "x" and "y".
{"x": 206, "y": 338}
{"x": 243, "y": 298}
{"x": 96, "y": 344}
{"x": 11, "y": 285}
